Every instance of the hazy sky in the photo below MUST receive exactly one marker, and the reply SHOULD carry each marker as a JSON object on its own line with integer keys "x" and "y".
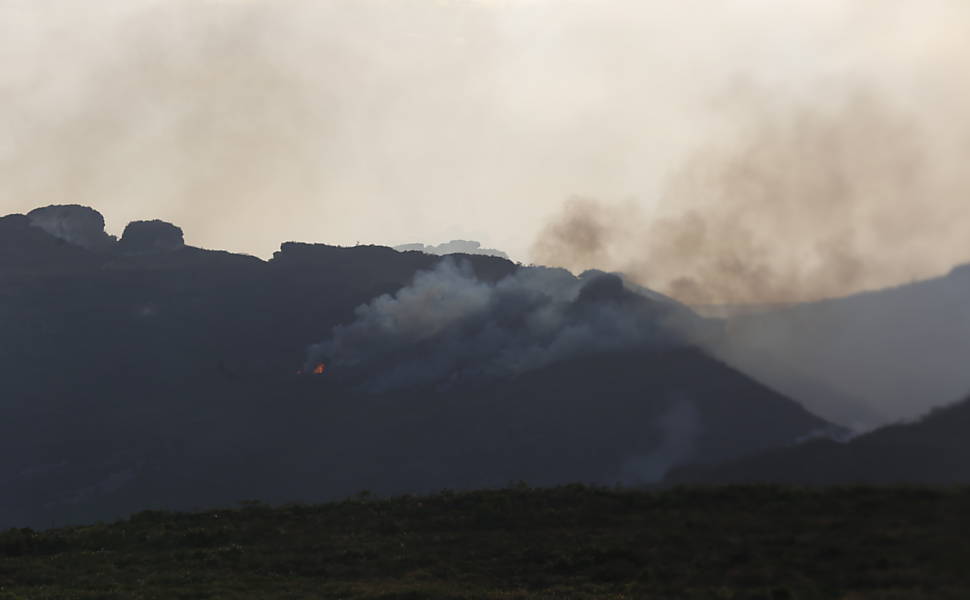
{"x": 249, "y": 123}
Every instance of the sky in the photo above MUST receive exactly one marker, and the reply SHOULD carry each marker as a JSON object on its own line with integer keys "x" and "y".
{"x": 253, "y": 122}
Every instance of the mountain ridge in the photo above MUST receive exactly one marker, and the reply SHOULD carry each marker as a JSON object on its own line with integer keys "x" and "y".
{"x": 169, "y": 380}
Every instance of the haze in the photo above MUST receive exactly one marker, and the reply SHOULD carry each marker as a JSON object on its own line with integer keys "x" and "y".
{"x": 249, "y": 123}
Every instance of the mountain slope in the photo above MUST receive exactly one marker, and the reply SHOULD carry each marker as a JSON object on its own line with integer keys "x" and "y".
{"x": 935, "y": 450}
{"x": 620, "y": 417}
{"x": 867, "y": 359}
{"x": 168, "y": 379}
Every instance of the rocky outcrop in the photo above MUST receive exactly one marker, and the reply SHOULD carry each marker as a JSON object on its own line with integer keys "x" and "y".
{"x": 73, "y": 223}
{"x": 150, "y": 237}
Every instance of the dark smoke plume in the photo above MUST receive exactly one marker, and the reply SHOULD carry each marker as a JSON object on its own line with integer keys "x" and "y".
{"x": 449, "y": 326}
{"x": 800, "y": 204}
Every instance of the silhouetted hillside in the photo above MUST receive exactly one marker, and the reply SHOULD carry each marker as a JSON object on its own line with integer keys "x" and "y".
{"x": 935, "y": 449}
{"x": 867, "y": 359}
{"x": 168, "y": 378}
{"x": 79, "y": 225}
{"x": 28, "y": 249}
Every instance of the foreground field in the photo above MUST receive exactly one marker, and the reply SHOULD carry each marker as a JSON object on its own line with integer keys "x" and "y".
{"x": 569, "y": 542}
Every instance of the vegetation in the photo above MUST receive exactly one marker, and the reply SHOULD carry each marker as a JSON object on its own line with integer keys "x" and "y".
{"x": 567, "y": 542}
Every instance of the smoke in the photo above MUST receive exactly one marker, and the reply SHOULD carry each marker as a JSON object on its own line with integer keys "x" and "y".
{"x": 794, "y": 203}
{"x": 679, "y": 428}
{"x": 449, "y": 326}
{"x": 251, "y": 122}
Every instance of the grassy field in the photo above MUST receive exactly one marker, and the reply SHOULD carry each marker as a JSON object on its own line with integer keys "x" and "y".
{"x": 772, "y": 543}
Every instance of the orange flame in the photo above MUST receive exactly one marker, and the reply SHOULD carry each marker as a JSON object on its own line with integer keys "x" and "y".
{"x": 319, "y": 368}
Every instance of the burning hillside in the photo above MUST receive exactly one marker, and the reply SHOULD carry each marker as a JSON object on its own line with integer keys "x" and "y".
{"x": 448, "y": 325}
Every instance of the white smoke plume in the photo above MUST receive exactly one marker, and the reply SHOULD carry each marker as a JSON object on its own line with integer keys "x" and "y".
{"x": 449, "y": 326}
{"x": 678, "y": 428}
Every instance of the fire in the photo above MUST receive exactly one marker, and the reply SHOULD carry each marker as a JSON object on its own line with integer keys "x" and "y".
{"x": 317, "y": 370}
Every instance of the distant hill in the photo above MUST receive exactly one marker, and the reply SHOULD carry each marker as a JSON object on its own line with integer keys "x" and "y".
{"x": 935, "y": 450}
{"x": 452, "y": 247}
{"x": 146, "y": 373}
{"x": 867, "y": 359}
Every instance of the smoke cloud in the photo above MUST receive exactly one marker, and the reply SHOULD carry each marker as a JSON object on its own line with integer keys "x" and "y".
{"x": 797, "y": 203}
{"x": 253, "y": 122}
{"x": 448, "y": 326}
